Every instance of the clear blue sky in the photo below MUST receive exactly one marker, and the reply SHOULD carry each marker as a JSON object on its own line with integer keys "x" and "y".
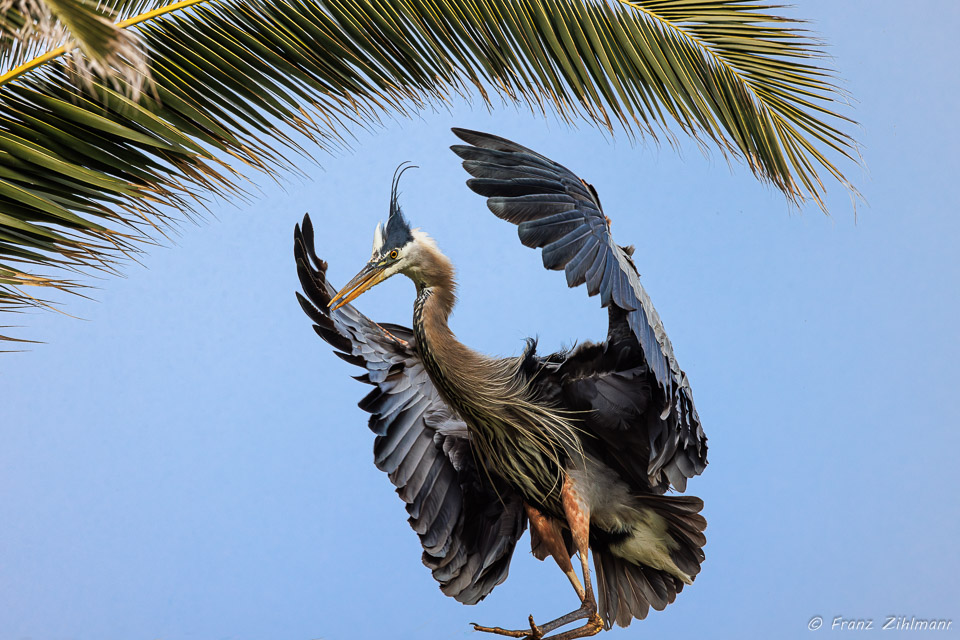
{"x": 188, "y": 461}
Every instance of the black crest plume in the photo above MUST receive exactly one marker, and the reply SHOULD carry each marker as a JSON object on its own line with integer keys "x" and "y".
{"x": 397, "y": 232}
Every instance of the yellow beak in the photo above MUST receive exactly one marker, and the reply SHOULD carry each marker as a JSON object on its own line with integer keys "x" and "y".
{"x": 370, "y": 276}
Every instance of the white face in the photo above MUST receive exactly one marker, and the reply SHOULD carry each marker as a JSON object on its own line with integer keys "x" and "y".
{"x": 421, "y": 252}
{"x": 393, "y": 259}
{"x": 408, "y": 258}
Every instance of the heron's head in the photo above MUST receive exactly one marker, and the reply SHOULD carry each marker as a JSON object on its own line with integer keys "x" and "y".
{"x": 396, "y": 249}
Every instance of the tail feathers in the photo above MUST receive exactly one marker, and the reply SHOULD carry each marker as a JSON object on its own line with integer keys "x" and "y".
{"x": 685, "y": 526}
{"x": 628, "y": 590}
{"x": 650, "y": 567}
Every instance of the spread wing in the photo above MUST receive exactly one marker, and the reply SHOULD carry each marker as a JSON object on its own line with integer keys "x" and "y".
{"x": 468, "y": 527}
{"x": 560, "y": 213}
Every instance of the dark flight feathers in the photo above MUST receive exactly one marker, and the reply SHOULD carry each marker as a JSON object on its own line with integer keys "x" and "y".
{"x": 560, "y": 213}
{"x": 468, "y": 533}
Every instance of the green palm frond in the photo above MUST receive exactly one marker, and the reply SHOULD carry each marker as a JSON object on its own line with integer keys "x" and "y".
{"x": 50, "y": 28}
{"x": 108, "y": 50}
{"x": 87, "y": 174}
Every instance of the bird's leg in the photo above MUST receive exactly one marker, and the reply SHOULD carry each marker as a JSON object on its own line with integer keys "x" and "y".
{"x": 577, "y": 512}
{"x": 548, "y": 533}
{"x": 544, "y": 531}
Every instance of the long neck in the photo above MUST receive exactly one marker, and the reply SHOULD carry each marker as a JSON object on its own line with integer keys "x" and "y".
{"x": 461, "y": 374}
{"x": 436, "y": 297}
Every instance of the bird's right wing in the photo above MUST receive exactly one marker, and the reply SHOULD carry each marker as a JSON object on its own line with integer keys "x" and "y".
{"x": 559, "y": 212}
{"x": 468, "y": 527}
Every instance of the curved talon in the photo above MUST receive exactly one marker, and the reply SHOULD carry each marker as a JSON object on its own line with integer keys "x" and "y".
{"x": 535, "y": 632}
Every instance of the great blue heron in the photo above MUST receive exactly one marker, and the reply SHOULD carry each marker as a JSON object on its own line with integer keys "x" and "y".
{"x": 582, "y": 444}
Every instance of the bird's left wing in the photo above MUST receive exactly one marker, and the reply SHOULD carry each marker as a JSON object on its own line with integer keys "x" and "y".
{"x": 560, "y": 213}
{"x": 468, "y": 527}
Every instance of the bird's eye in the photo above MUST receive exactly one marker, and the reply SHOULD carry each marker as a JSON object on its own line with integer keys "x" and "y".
{"x": 394, "y": 254}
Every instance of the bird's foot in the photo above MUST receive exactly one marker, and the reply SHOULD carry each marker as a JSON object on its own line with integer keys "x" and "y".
{"x": 534, "y": 633}
{"x": 593, "y": 626}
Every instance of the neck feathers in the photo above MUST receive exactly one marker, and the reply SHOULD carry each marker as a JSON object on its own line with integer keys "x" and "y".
{"x": 434, "y": 272}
